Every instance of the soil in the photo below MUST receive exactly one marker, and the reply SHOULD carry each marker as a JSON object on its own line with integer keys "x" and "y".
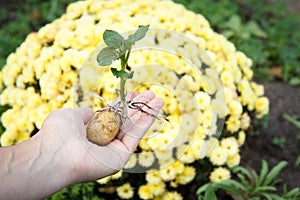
{"x": 284, "y": 99}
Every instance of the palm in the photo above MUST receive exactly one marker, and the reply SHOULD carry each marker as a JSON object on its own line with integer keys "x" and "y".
{"x": 93, "y": 161}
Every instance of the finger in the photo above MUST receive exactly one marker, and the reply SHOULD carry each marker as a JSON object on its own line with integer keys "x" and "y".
{"x": 84, "y": 113}
{"x": 141, "y": 122}
{"x": 131, "y": 95}
{"x": 142, "y": 98}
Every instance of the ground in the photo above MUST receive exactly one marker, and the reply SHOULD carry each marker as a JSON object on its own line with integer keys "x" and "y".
{"x": 284, "y": 98}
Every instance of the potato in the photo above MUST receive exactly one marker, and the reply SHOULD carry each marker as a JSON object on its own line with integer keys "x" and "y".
{"x": 103, "y": 127}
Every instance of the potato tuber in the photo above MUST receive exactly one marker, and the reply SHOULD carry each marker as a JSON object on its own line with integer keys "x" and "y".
{"x": 103, "y": 127}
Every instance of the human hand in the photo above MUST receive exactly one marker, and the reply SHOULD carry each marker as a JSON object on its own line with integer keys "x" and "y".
{"x": 65, "y": 130}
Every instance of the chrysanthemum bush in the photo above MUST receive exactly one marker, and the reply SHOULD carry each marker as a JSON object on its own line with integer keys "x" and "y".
{"x": 45, "y": 71}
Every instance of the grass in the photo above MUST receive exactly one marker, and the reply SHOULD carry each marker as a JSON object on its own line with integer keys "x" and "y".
{"x": 18, "y": 18}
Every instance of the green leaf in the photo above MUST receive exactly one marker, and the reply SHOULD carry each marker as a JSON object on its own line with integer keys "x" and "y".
{"x": 295, "y": 81}
{"x": 139, "y": 34}
{"x": 263, "y": 172}
{"x": 292, "y": 193}
{"x": 292, "y": 119}
{"x": 243, "y": 180}
{"x": 227, "y": 186}
{"x": 255, "y": 29}
{"x": 210, "y": 193}
{"x": 130, "y": 75}
{"x": 121, "y": 73}
{"x": 202, "y": 189}
{"x": 106, "y": 56}
{"x": 118, "y": 73}
{"x": 275, "y": 172}
{"x": 113, "y": 39}
{"x": 234, "y": 23}
{"x": 264, "y": 189}
{"x": 271, "y": 196}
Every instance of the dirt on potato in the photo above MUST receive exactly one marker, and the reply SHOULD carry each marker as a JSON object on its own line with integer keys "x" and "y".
{"x": 103, "y": 127}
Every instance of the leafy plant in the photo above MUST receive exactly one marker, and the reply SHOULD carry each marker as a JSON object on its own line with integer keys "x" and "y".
{"x": 292, "y": 119}
{"x": 279, "y": 141}
{"x": 81, "y": 191}
{"x": 29, "y": 17}
{"x": 119, "y": 48}
{"x": 250, "y": 185}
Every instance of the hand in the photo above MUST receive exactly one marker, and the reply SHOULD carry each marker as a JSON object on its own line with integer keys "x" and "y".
{"x": 65, "y": 131}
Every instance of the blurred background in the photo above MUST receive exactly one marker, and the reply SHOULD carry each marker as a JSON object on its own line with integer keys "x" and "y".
{"x": 266, "y": 30}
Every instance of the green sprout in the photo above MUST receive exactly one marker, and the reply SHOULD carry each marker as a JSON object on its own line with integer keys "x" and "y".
{"x": 120, "y": 48}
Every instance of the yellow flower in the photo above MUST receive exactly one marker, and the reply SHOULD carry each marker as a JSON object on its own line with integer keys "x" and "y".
{"x": 219, "y": 174}
{"x": 245, "y": 121}
{"x": 233, "y": 124}
{"x": 262, "y": 106}
{"x": 258, "y": 89}
{"x": 104, "y": 180}
{"x": 131, "y": 162}
{"x": 233, "y": 160}
{"x": 186, "y": 176}
{"x": 117, "y": 175}
{"x": 218, "y": 156}
{"x": 230, "y": 145}
{"x": 172, "y": 196}
{"x": 153, "y": 177}
{"x": 163, "y": 155}
{"x": 145, "y": 192}
{"x": 208, "y": 118}
{"x": 146, "y": 158}
{"x": 227, "y": 79}
{"x": 157, "y": 189}
{"x": 168, "y": 173}
{"x": 125, "y": 191}
{"x": 203, "y": 100}
{"x": 235, "y": 108}
{"x": 6, "y": 139}
{"x": 241, "y": 138}
{"x": 185, "y": 154}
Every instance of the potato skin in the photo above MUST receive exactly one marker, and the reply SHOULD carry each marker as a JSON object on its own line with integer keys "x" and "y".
{"x": 103, "y": 127}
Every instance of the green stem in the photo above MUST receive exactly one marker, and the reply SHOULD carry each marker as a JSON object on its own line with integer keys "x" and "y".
{"x": 122, "y": 96}
{"x": 122, "y": 86}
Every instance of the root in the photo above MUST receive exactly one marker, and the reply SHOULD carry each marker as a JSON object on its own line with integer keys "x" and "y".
{"x": 134, "y": 105}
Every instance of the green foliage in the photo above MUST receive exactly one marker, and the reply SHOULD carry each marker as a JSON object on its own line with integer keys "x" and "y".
{"x": 250, "y": 185}
{"x": 279, "y": 141}
{"x": 264, "y": 31}
{"x": 119, "y": 48}
{"x": 106, "y": 56}
{"x": 81, "y": 191}
{"x": 297, "y": 162}
{"x": 17, "y": 21}
{"x": 292, "y": 119}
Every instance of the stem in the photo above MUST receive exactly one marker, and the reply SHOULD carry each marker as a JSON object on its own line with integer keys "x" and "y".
{"x": 122, "y": 86}
{"x": 122, "y": 96}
